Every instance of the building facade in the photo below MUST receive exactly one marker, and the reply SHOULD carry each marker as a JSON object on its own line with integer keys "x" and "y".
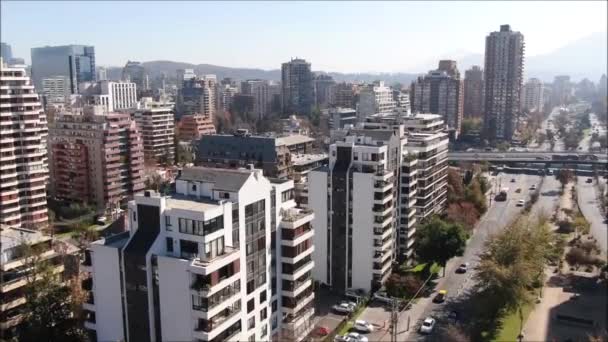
{"x": 17, "y": 273}
{"x": 114, "y": 96}
{"x": 562, "y": 90}
{"x": 473, "y": 92}
{"x": 504, "y": 66}
{"x": 532, "y": 96}
{"x": 95, "y": 158}
{"x": 193, "y": 127}
{"x": 197, "y": 96}
{"x": 75, "y": 62}
{"x": 440, "y": 92}
{"x": 156, "y": 123}
{"x": 343, "y": 95}
{"x": 375, "y": 98}
{"x": 23, "y": 152}
{"x": 227, "y": 257}
{"x": 55, "y": 90}
{"x": 323, "y": 85}
{"x": 135, "y": 72}
{"x": 297, "y": 87}
{"x": 262, "y": 100}
{"x": 272, "y": 154}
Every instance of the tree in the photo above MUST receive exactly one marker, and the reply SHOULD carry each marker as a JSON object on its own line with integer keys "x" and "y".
{"x": 453, "y": 333}
{"x": 403, "y": 286}
{"x": 439, "y": 241}
{"x": 184, "y": 156}
{"x": 503, "y": 146}
{"x": 581, "y": 225}
{"x": 475, "y": 195}
{"x": 470, "y": 125}
{"x": 463, "y": 213}
{"x": 49, "y": 304}
{"x": 565, "y": 176}
{"x": 455, "y": 186}
{"x": 512, "y": 262}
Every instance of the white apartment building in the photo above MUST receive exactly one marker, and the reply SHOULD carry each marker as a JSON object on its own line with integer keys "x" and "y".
{"x": 23, "y": 152}
{"x": 259, "y": 89}
{"x": 375, "y": 98}
{"x": 114, "y": 95}
{"x": 354, "y": 204}
{"x": 228, "y": 257}
{"x": 55, "y": 90}
{"x": 428, "y": 140}
{"x": 532, "y": 95}
{"x": 156, "y": 122}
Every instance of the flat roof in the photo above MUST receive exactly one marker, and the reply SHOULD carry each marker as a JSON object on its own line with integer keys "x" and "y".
{"x": 303, "y": 159}
{"x": 294, "y": 139}
{"x": 191, "y": 203}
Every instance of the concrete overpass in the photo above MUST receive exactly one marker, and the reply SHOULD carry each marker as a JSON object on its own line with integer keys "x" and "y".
{"x": 547, "y": 158}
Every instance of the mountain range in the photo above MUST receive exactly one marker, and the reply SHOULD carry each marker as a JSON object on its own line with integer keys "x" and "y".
{"x": 585, "y": 57}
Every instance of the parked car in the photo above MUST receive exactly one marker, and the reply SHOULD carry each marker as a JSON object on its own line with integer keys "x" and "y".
{"x": 383, "y": 297}
{"x": 440, "y": 297}
{"x": 351, "y": 294}
{"x": 463, "y": 268}
{"x": 427, "y": 325}
{"x": 340, "y": 338}
{"x": 589, "y": 180}
{"x": 521, "y": 203}
{"x": 512, "y": 180}
{"x": 518, "y": 190}
{"x": 533, "y": 187}
{"x": 357, "y": 337}
{"x": 343, "y": 308}
{"x": 550, "y": 172}
{"x": 363, "y": 326}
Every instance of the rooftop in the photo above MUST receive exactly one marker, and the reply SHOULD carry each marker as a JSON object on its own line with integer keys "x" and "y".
{"x": 303, "y": 159}
{"x": 223, "y": 179}
{"x": 184, "y": 202}
{"x": 293, "y": 140}
{"x": 13, "y": 237}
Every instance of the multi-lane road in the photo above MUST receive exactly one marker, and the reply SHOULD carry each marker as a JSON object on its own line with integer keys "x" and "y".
{"x": 498, "y": 216}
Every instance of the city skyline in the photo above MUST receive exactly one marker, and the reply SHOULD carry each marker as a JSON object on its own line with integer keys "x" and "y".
{"x": 338, "y": 38}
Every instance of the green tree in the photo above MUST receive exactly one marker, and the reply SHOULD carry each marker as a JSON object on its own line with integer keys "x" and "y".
{"x": 439, "y": 241}
{"x": 475, "y": 195}
{"x": 403, "y": 286}
{"x": 470, "y": 125}
{"x": 49, "y": 304}
{"x": 184, "y": 156}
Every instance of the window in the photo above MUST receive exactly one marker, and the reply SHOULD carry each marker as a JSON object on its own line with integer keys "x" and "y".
{"x": 262, "y": 297}
{"x": 264, "y": 331}
{"x": 263, "y": 314}
{"x": 252, "y": 338}
{"x": 193, "y": 187}
{"x": 168, "y": 223}
{"x": 169, "y": 245}
{"x": 274, "y": 306}
{"x": 251, "y": 325}
{"x": 250, "y": 305}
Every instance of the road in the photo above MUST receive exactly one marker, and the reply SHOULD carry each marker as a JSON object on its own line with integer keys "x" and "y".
{"x": 588, "y": 202}
{"x": 498, "y": 216}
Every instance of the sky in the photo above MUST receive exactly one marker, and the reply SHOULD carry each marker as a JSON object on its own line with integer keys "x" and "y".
{"x": 333, "y": 36}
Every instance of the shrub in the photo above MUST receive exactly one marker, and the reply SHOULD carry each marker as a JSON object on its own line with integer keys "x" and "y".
{"x": 565, "y": 227}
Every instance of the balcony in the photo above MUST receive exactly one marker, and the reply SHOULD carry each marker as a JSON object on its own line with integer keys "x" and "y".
{"x": 297, "y": 327}
{"x": 297, "y": 270}
{"x": 293, "y": 218}
{"x": 12, "y": 303}
{"x": 295, "y": 305}
{"x": 217, "y": 322}
{"x": 209, "y": 265}
{"x": 294, "y": 237}
{"x": 11, "y": 321}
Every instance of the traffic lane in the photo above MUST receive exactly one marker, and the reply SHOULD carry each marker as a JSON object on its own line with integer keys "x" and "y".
{"x": 589, "y": 205}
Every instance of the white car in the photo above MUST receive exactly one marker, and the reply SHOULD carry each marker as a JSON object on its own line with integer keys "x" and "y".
{"x": 427, "y": 326}
{"x": 383, "y": 297}
{"x": 340, "y": 338}
{"x": 363, "y": 326}
{"x": 520, "y": 203}
{"x": 357, "y": 337}
{"x": 343, "y": 308}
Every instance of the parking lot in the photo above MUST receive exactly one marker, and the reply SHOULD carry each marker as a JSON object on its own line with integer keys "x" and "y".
{"x": 324, "y": 315}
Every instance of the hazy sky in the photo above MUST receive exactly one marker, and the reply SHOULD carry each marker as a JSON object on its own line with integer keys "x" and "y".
{"x": 333, "y": 36}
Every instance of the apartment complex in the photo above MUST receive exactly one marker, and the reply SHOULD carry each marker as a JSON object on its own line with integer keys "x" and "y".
{"x": 297, "y": 87}
{"x": 225, "y": 97}
{"x": 375, "y": 98}
{"x": 114, "y": 96}
{"x": 440, "y": 92}
{"x": 354, "y": 204}
{"x": 197, "y": 96}
{"x": 156, "y": 123}
{"x": 259, "y": 90}
{"x": 504, "y": 66}
{"x": 340, "y": 117}
{"x": 343, "y": 95}
{"x": 473, "y": 92}
{"x": 323, "y": 89}
{"x": 428, "y": 140}
{"x": 272, "y": 154}
{"x": 562, "y": 90}
{"x": 184, "y": 75}
{"x": 55, "y": 91}
{"x": 23, "y": 152}
{"x": 95, "y": 158}
{"x": 75, "y": 62}
{"x": 16, "y": 273}
{"x": 193, "y": 127}
{"x": 532, "y": 96}
{"x": 136, "y": 73}
{"x": 227, "y": 257}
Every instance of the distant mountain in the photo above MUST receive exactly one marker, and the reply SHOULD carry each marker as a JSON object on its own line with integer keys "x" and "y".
{"x": 585, "y": 57}
{"x": 156, "y": 68}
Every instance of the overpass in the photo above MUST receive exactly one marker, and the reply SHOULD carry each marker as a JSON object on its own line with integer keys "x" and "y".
{"x": 546, "y": 158}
